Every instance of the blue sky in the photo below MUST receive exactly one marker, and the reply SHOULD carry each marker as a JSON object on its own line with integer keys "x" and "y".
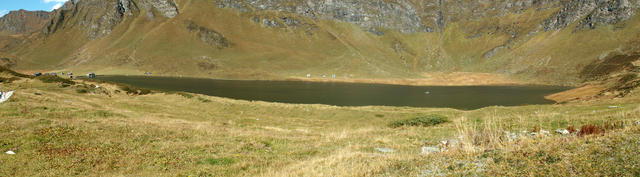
{"x": 46, "y": 5}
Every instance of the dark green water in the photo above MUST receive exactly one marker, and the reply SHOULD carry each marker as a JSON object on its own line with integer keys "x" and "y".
{"x": 350, "y": 94}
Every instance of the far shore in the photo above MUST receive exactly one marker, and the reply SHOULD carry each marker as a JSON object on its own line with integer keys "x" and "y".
{"x": 428, "y": 79}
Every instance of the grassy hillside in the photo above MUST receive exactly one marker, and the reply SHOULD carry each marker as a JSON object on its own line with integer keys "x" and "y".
{"x": 513, "y": 45}
{"x": 82, "y": 129}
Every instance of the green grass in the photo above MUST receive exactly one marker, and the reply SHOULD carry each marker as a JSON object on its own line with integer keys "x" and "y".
{"x": 424, "y": 121}
{"x": 219, "y": 161}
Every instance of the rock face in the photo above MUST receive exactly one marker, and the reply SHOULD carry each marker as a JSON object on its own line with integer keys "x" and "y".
{"x": 425, "y": 16}
{"x": 370, "y": 15}
{"x": 208, "y": 36}
{"x": 591, "y": 13}
{"x": 20, "y": 22}
{"x": 99, "y": 18}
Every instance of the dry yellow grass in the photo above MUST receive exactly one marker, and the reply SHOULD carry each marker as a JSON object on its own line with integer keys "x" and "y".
{"x": 582, "y": 93}
{"x": 430, "y": 79}
{"x": 60, "y": 132}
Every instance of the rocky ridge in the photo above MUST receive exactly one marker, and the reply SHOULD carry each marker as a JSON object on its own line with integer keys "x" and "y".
{"x": 22, "y": 21}
{"x": 98, "y": 18}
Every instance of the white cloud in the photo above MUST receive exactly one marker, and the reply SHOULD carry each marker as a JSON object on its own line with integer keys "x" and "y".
{"x": 3, "y": 12}
{"x": 58, "y": 1}
{"x": 58, "y": 5}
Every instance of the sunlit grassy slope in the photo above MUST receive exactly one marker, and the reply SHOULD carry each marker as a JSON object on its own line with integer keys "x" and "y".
{"x": 83, "y": 130}
{"x": 166, "y": 47}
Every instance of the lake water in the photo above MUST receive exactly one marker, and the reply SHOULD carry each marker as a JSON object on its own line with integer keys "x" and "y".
{"x": 350, "y": 94}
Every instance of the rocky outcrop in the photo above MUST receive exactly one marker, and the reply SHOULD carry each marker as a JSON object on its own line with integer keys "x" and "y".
{"x": 167, "y": 8}
{"x": 22, "y": 21}
{"x": 610, "y": 12}
{"x": 208, "y": 36}
{"x": 99, "y": 17}
{"x": 371, "y": 15}
{"x": 427, "y": 16}
{"x": 493, "y": 51}
{"x": 590, "y": 13}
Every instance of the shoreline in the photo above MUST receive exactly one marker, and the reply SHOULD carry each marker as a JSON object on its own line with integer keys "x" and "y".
{"x": 429, "y": 79}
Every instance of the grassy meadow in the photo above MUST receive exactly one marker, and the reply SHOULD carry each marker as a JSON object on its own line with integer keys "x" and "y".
{"x": 97, "y": 129}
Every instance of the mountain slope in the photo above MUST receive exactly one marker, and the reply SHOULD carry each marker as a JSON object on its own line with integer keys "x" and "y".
{"x": 539, "y": 41}
{"x": 22, "y": 21}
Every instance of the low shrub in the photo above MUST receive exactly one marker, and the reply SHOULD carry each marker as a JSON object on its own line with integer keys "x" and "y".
{"x": 424, "y": 121}
{"x": 82, "y": 90}
{"x": 8, "y": 80}
{"x": 590, "y": 129}
{"x": 54, "y": 79}
{"x": 571, "y": 129}
{"x": 144, "y": 91}
{"x": 134, "y": 91}
{"x": 204, "y": 100}
{"x": 183, "y": 94}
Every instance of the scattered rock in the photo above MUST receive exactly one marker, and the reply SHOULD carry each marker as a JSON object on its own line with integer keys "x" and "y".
{"x": 545, "y": 132}
{"x": 493, "y": 51}
{"x": 448, "y": 143}
{"x": 510, "y": 136}
{"x": 10, "y": 153}
{"x": 5, "y": 96}
{"x": 430, "y": 149}
{"x": 562, "y": 131}
{"x": 385, "y": 150}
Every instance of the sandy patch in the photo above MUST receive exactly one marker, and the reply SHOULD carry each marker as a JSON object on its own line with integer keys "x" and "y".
{"x": 431, "y": 79}
{"x": 582, "y": 93}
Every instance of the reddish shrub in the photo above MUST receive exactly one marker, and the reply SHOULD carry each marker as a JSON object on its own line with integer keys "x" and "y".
{"x": 571, "y": 129}
{"x": 590, "y": 130}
